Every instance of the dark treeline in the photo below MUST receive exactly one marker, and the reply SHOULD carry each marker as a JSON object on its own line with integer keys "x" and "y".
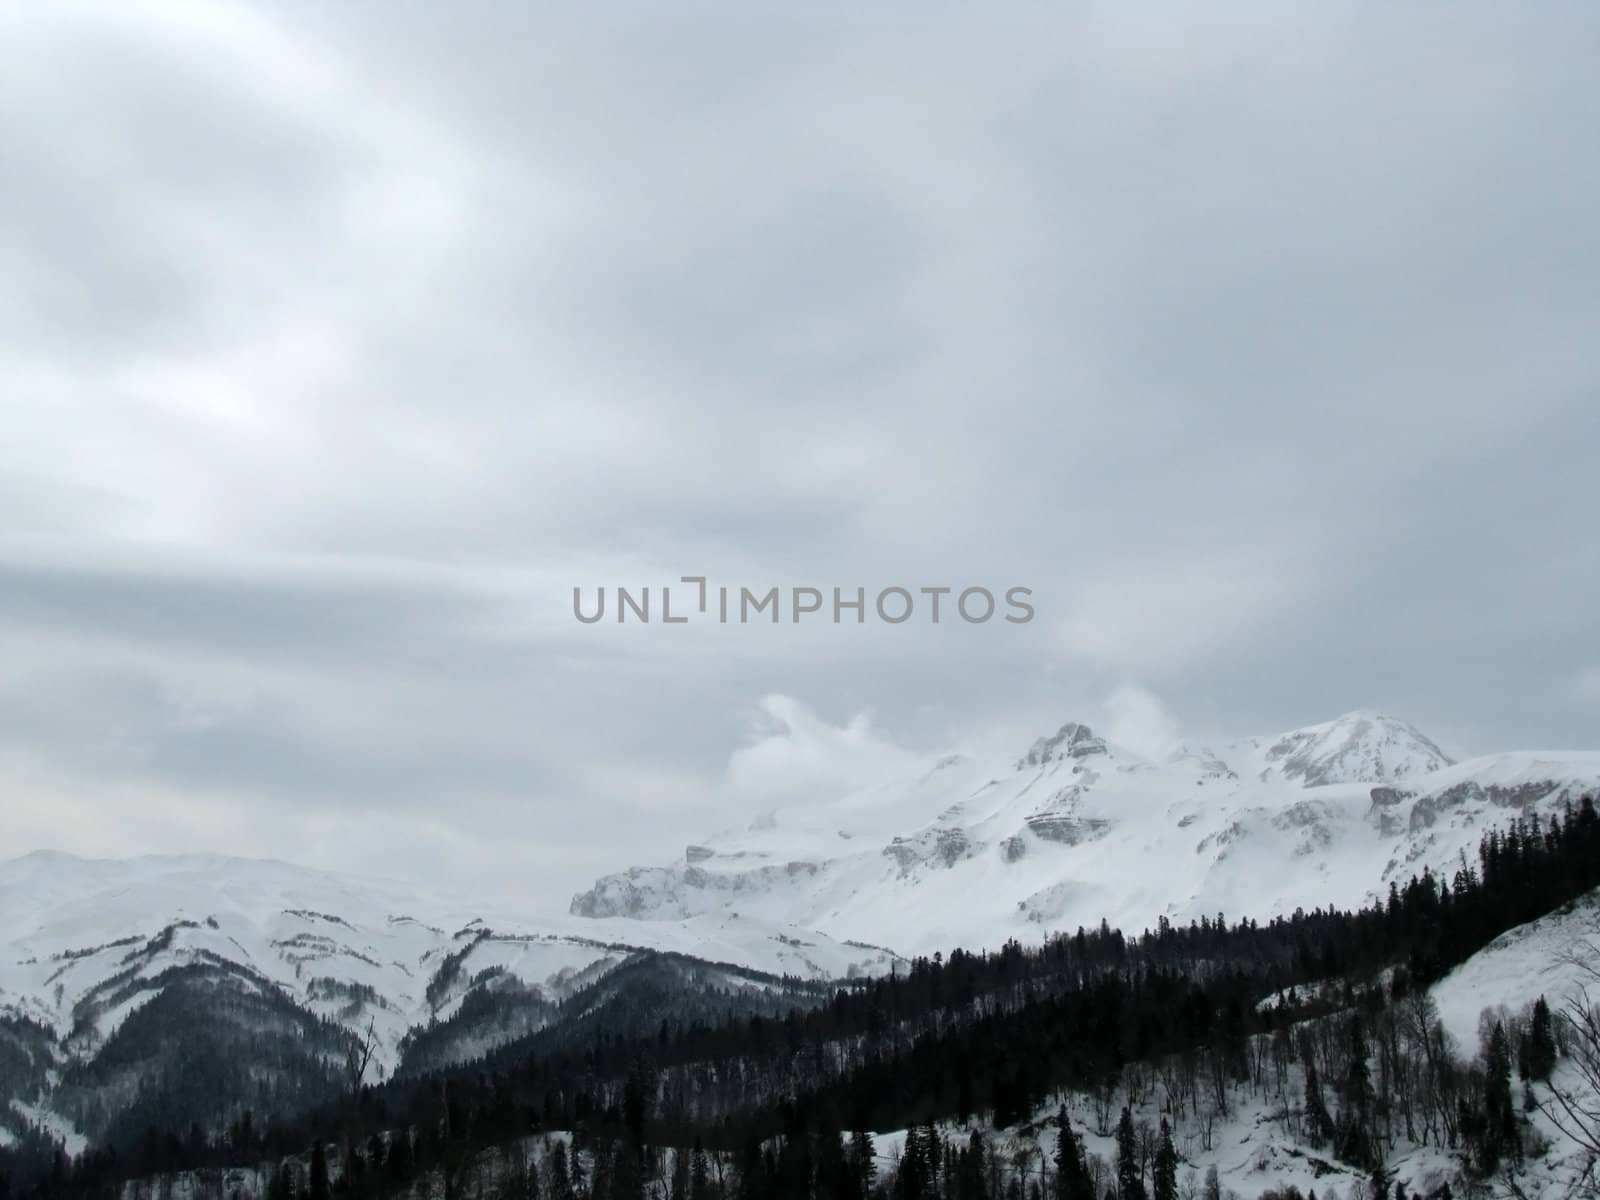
{"x": 780, "y": 1106}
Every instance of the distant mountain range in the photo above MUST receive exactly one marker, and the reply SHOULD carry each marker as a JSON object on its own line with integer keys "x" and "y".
{"x": 1076, "y": 830}
{"x": 102, "y": 961}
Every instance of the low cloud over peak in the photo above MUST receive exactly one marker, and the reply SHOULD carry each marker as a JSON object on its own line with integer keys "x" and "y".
{"x": 340, "y": 345}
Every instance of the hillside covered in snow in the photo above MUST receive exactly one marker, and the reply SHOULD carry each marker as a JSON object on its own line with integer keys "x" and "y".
{"x": 87, "y": 942}
{"x": 1075, "y": 829}
{"x": 102, "y": 962}
{"x": 176, "y": 990}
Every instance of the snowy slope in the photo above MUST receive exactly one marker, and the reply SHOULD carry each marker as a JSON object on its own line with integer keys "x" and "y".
{"x": 1076, "y": 829}
{"x": 1555, "y": 957}
{"x": 86, "y": 942}
{"x": 1071, "y": 830}
{"x": 1545, "y": 958}
{"x": 1251, "y": 1146}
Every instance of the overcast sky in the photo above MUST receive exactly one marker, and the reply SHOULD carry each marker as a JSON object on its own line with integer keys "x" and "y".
{"x": 338, "y": 343}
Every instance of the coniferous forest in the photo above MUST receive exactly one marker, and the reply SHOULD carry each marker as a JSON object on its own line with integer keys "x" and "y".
{"x": 670, "y": 1088}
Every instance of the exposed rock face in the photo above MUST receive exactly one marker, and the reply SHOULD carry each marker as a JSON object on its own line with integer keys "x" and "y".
{"x": 1208, "y": 767}
{"x": 1070, "y": 741}
{"x": 1384, "y": 813}
{"x": 1069, "y": 831}
{"x": 1388, "y": 797}
{"x": 939, "y": 847}
{"x": 638, "y": 890}
{"x": 1474, "y": 797}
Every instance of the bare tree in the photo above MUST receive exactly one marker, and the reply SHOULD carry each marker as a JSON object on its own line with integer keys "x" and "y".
{"x": 1105, "y": 1098}
{"x": 358, "y": 1056}
{"x": 1575, "y": 1108}
{"x": 1208, "y": 1127}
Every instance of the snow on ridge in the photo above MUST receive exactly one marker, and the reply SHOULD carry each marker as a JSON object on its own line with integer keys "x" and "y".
{"x": 970, "y": 853}
{"x": 93, "y": 938}
{"x": 1362, "y": 746}
{"x": 1078, "y": 830}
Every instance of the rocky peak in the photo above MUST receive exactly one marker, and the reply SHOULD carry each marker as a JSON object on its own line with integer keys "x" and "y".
{"x": 1359, "y": 747}
{"x": 1072, "y": 740}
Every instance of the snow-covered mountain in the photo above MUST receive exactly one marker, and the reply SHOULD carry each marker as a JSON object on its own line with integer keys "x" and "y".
{"x": 1076, "y": 829}
{"x": 103, "y": 964}
{"x": 87, "y": 941}
{"x": 100, "y": 961}
{"x": 1359, "y": 747}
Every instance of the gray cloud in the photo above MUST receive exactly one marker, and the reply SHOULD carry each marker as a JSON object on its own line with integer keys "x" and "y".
{"x": 338, "y": 344}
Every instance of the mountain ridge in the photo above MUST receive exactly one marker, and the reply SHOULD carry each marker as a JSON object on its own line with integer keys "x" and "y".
{"x": 1078, "y": 829}
{"x": 963, "y": 851}
{"x": 89, "y": 941}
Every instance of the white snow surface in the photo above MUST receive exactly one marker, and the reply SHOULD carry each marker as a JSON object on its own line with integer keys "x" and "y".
{"x": 1077, "y": 829}
{"x": 72, "y": 924}
{"x": 1554, "y": 957}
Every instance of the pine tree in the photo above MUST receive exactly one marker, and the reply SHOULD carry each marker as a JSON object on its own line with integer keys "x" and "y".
{"x": 638, "y": 1094}
{"x": 1358, "y": 1096}
{"x": 921, "y": 1163}
{"x": 1541, "y": 1042}
{"x": 1498, "y": 1135}
{"x": 932, "y": 1157}
{"x": 319, "y": 1188}
{"x": 558, "y": 1173}
{"x": 908, "y": 1181}
{"x": 575, "y": 1176}
{"x": 973, "y": 1168}
{"x": 400, "y": 1158}
{"x": 1072, "y": 1177}
{"x": 1319, "y": 1125}
{"x": 1066, "y": 1156}
{"x": 1213, "y": 1186}
{"x": 1165, "y": 1175}
{"x": 864, "y": 1159}
{"x": 627, "y": 1172}
{"x": 699, "y": 1173}
{"x": 1130, "y": 1180}
{"x": 282, "y": 1185}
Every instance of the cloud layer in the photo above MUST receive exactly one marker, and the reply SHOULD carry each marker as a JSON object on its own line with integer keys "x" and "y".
{"x": 338, "y": 344}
